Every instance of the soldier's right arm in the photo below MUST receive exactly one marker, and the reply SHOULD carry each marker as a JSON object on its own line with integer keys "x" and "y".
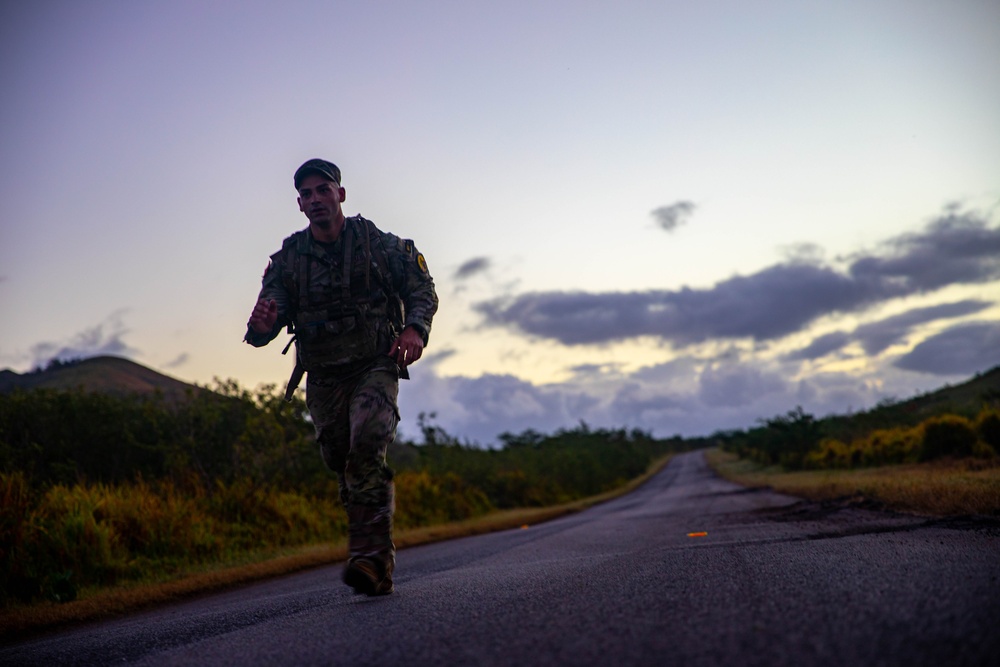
{"x": 272, "y": 289}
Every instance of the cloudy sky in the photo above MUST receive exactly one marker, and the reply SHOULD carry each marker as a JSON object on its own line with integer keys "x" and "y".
{"x": 672, "y": 216}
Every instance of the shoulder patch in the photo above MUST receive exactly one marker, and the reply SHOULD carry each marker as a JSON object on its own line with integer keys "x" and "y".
{"x": 421, "y": 262}
{"x": 408, "y": 247}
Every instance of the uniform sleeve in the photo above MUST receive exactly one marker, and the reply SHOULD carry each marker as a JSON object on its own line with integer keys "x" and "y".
{"x": 413, "y": 283}
{"x": 272, "y": 287}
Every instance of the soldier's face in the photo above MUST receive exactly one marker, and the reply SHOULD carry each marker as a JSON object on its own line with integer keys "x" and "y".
{"x": 320, "y": 200}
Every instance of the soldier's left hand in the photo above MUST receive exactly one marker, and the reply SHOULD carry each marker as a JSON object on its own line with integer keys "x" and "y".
{"x": 407, "y": 348}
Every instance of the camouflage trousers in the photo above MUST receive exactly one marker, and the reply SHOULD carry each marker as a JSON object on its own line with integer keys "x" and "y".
{"x": 355, "y": 420}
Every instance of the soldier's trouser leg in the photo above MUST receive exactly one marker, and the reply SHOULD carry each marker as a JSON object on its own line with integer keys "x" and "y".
{"x": 371, "y": 493}
{"x": 354, "y": 446}
{"x": 329, "y": 407}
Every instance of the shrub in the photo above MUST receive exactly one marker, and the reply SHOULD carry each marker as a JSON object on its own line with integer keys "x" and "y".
{"x": 988, "y": 428}
{"x": 948, "y": 435}
{"x": 891, "y": 445}
{"x": 423, "y": 499}
{"x": 830, "y": 453}
{"x": 16, "y": 578}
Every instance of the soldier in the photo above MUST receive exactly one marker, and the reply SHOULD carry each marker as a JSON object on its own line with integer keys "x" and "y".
{"x": 360, "y": 303}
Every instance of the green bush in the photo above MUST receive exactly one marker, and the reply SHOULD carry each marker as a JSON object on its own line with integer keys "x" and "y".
{"x": 829, "y": 453}
{"x": 68, "y": 538}
{"x": 890, "y": 445}
{"x": 947, "y": 435}
{"x": 423, "y": 499}
{"x": 988, "y": 428}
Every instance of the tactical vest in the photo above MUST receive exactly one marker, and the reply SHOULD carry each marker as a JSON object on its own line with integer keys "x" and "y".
{"x": 349, "y": 315}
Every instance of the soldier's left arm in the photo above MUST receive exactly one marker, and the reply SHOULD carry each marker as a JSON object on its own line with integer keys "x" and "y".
{"x": 414, "y": 285}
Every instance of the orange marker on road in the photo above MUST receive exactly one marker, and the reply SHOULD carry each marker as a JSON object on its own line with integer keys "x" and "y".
{"x": 702, "y": 534}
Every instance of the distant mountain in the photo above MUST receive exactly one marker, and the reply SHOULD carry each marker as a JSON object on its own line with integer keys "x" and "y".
{"x": 97, "y": 374}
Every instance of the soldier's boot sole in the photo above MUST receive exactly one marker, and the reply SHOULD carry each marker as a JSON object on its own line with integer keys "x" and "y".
{"x": 366, "y": 578}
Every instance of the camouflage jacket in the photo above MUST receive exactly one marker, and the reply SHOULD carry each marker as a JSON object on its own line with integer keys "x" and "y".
{"x": 347, "y": 301}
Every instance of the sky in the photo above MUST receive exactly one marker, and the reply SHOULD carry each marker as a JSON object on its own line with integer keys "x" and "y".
{"x": 673, "y": 216}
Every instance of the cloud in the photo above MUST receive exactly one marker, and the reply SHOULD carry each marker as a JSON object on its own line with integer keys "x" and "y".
{"x": 472, "y": 267}
{"x": 821, "y": 346}
{"x": 809, "y": 253}
{"x": 769, "y": 304}
{"x": 181, "y": 359}
{"x": 478, "y": 409}
{"x": 688, "y": 395}
{"x": 961, "y": 350}
{"x": 104, "y": 338}
{"x": 673, "y": 216}
{"x": 875, "y": 337}
{"x": 739, "y": 384}
{"x": 956, "y": 248}
{"x": 436, "y": 357}
{"x": 766, "y": 305}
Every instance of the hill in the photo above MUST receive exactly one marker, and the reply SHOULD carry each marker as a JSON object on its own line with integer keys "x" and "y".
{"x": 966, "y": 399}
{"x": 106, "y": 374}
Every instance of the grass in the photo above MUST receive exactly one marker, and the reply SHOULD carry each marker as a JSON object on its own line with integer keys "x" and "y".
{"x": 94, "y": 604}
{"x": 945, "y": 487}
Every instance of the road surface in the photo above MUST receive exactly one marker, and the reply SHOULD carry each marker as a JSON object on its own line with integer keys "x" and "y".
{"x": 772, "y": 581}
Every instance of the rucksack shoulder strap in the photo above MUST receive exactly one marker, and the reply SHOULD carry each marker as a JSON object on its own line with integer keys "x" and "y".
{"x": 378, "y": 256}
{"x": 294, "y": 268}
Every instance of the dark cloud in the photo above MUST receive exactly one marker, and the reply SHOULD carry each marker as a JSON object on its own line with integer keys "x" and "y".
{"x": 105, "y": 338}
{"x": 677, "y": 375}
{"x": 436, "y": 357}
{"x": 673, "y": 216}
{"x": 957, "y": 248}
{"x": 875, "y": 337}
{"x": 471, "y": 268}
{"x": 961, "y": 350}
{"x": 766, "y": 305}
{"x": 821, "y": 346}
{"x": 594, "y": 371}
{"x": 769, "y": 304}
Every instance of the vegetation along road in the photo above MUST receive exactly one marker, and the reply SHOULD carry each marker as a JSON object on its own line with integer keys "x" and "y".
{"x": 688, "y": 569}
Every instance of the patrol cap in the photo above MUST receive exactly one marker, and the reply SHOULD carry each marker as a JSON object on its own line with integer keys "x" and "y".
{"x": 327, "y": 170}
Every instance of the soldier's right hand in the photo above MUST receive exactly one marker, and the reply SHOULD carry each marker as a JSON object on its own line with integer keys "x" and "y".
{"x": 264, "y": 315}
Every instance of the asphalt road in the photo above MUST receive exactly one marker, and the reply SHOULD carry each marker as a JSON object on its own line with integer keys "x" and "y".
{"x": 773, "y": 582}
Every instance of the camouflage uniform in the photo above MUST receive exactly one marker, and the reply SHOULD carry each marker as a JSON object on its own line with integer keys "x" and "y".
{"x": 347, "y": 302}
